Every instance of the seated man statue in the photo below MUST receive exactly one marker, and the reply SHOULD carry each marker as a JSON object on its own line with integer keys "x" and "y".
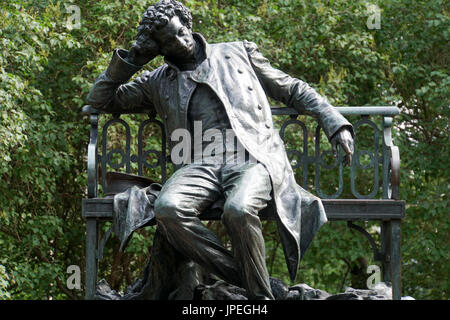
{"x": 222, "y": 87}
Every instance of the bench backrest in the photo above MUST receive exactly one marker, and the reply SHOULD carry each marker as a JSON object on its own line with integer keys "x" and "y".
{"x": 375, "y": 154}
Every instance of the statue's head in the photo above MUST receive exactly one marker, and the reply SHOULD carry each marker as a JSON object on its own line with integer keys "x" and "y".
{"x": 169, "y": 24}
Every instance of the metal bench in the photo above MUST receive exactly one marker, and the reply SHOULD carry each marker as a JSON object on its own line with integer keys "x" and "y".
{"x": 381, "y": 204}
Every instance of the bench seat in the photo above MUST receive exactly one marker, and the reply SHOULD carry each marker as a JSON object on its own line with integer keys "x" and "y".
{"x": 336, "y": 209}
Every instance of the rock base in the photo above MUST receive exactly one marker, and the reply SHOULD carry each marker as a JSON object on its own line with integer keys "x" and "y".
{"x": 221, "y": 290}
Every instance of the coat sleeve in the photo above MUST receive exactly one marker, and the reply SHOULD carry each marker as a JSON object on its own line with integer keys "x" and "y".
{"x": 112, "y": 91}
{"x": 295, "y": 93}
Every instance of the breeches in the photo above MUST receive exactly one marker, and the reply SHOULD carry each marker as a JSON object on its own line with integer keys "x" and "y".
{"x": 246, "y": 188}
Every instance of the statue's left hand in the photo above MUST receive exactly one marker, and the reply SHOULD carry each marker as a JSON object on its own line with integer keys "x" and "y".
{"x": 345, "y": 139}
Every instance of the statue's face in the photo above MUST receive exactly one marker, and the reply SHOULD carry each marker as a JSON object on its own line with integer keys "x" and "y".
{"x": 175, "y": 40}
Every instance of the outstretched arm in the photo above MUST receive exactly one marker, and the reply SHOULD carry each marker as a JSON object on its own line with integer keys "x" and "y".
{"x": 300, "y": 96}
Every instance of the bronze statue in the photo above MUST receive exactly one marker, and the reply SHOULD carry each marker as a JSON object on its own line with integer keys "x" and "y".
{"x": 223, "y": 87}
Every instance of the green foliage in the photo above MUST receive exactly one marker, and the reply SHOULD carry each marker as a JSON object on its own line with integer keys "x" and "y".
{"x": 46, "y": 71}
{"x": 4, "y": 294}
{"x": 419, "y": 80}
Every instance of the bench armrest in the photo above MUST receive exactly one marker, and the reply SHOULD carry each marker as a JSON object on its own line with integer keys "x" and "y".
{"x": 91, "y": 110}
{"x": 392, "y": 164}
{"x": 394, "y": 189}
{"x": 92, "y": 164}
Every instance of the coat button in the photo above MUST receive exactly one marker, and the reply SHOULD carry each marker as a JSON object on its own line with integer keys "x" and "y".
{"x": 267, "y": 125}
{"x": 167, "y": 97}
{"x": 250, "y": 88}
{"x": 227, "y": 57}
{"x": 240, "y": 71}
{"x": 259, "y": 107}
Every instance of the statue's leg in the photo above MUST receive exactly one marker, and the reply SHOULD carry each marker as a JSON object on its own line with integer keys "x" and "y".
{"x": 248, "y": 190}
{"x": 188, "y": 192}
{"x": 168, "y": 274}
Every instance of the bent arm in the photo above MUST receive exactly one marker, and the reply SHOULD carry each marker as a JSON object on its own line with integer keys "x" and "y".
{"x": 112, "y": 91}
{"x": 295, "y": 93}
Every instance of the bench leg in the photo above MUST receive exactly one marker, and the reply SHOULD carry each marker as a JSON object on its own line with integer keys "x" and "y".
{"x": 391, "y": 249}
{"x": 385, "y": 250}
{"x": 396, "y": 272}
{"x": 91, "y": 257}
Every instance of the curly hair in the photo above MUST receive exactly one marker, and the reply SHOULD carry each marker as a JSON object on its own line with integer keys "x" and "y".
{"x": 159, "y": 15}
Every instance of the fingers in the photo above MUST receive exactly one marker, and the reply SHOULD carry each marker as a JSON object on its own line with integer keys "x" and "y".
{"x": 348, "y": 154}
{"x": 334, "y": 147}
{"x": 347, "y": 145}
{"x": 132, "y": 52}
{"x": 148, "y": 48}
{"x": 345, "y": 140}
{"x": 348, "y": 159}
{"x": 352, "y": 149}
{"x": 140, "y": 54}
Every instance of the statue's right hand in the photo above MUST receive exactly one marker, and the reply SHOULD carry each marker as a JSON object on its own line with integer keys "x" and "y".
{"x": 143, "y": 51}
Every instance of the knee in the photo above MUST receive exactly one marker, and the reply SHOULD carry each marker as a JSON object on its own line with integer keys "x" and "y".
{"x": 165, "y": 209}
{"x": 236, "y": 213}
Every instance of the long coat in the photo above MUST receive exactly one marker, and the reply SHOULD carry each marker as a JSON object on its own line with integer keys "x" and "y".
{"x": 242, "y": 79}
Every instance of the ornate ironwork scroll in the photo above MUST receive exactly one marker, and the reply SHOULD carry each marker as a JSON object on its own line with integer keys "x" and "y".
{"x": 391, "y": 163}
{"x": 303, "y": 159}
{"x": 106, "y": 157}
{"x": 141, "y": 158}
{"x": 92, "y": 157}
{"x": 388, "y": 157}
{"x": 374, "y": 159}
{"x": 319, "y": 161}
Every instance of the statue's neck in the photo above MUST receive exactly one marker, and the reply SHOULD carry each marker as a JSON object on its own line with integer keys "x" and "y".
{"x": 192, "y": 62}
